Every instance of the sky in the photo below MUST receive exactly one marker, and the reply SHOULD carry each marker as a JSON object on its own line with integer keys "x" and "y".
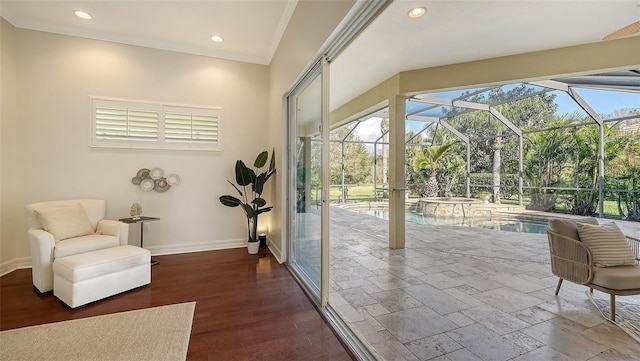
{"x": 603, "y": 102}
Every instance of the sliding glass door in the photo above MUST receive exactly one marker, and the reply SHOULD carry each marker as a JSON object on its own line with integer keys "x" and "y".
{"x": 306, "y": 206}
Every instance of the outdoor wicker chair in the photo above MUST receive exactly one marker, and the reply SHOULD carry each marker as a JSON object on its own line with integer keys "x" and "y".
{"x": 573, "y": 259}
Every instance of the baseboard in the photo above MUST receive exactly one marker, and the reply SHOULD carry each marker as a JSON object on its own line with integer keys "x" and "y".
{"x": 25, "y": 262}
{"x": 14, "y": 264}
{"x": 196, "y": 247}
{"x": 275, "y": 251}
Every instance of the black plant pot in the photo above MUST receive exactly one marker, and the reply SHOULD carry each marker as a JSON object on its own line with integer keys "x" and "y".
{"x": 263, "y": 240}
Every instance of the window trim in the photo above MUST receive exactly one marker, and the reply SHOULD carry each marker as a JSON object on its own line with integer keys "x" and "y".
{"x": 161, "y": 109}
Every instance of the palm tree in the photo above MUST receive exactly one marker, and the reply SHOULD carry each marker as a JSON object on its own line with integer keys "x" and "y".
{"x": 586, "y": 170}
{"x": 547, "y": 157}
{"x": 452, "y": 168}
{"x": 428, "y": 158}
{"x": 547, "y": 153}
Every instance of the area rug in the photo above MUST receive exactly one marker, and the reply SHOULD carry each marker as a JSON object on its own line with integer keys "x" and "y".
{"x": 627, "y": 313}
{"x": 159, "y": 333}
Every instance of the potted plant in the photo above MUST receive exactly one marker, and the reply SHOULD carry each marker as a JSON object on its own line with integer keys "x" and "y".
{"x": 250, "y": 187}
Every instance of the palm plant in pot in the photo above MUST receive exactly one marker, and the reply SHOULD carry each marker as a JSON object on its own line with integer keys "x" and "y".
{"x": 250, "y": 185}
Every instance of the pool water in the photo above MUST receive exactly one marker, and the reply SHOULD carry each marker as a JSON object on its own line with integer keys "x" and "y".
{"x": 521, "y": 225}
{"x": 510, "y": 224}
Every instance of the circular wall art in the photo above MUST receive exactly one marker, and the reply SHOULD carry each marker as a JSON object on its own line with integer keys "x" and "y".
{"x": 147, "y": 185}
{"x": 154, "y": 179}
{"x": 156, "y": 173}
{"x": 173, "y": 179}
{"x": 143, "y": 173}
{"x": 162, "y": 185}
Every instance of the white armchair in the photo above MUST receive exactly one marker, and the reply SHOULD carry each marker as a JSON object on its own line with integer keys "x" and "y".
{"x": 64, "y": 228}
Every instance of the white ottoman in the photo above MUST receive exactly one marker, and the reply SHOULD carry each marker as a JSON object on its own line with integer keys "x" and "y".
{"x": 88, "y": 277}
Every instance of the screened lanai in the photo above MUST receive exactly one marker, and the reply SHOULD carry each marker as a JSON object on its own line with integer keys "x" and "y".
{"x": 568, "y": 145}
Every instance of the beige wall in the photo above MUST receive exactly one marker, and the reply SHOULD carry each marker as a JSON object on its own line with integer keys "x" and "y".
{"x": 8, "y": 124}
{"x": 310, "y": 26}
{"x": 56, "y": 76}
{"x": 51, "y": 79}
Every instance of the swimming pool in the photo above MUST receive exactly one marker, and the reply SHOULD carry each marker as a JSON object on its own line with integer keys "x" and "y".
{"x": 508, "y": 224}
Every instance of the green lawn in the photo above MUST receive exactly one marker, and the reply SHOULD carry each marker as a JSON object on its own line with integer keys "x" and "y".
{"x": 358, "y": 192}
{"x": 364, "y": 193}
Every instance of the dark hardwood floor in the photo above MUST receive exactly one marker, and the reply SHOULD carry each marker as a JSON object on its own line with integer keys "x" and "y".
{"x": 248, "y": 307}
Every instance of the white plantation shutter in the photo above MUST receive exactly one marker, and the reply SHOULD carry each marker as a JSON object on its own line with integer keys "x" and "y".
{"x": 129, "y": 124}
{"x": 191, "y": 128}
{"x": 126, "y": 124}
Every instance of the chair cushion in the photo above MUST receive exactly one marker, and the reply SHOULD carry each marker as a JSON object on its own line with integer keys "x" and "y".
{"x": 618, "y": 278}
{"x": 65, "y": 221}
{"x": 84, "y": 244}
{"x": 567, "y": 227}
{"x": 607, "y": 244}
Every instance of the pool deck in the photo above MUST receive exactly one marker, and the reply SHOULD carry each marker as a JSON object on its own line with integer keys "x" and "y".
{"x": 461, "y": 293}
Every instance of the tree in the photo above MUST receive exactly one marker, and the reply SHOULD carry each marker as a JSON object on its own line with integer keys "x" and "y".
{"x": 452, "y": 167}
{"x": 429, "y": 158}
{"x": 413, "y": 177}
{"x": 628, "y": 178}
{"x": 491, "y": 141}
{"x": 586, "y": 170}
{"x": 546, "y": 155}
{"x": 358, "y": 162}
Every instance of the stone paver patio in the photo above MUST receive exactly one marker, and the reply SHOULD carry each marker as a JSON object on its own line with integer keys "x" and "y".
{"x": 460, "y": 293}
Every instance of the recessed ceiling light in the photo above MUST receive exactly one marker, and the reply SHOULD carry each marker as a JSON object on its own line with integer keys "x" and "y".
{"x": 417, "y": 12}
{"x": 217, "y": 39}
{"x": 82, "y": 15}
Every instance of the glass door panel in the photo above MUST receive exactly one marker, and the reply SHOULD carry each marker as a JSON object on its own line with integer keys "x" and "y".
{"x": 305, "y": 114}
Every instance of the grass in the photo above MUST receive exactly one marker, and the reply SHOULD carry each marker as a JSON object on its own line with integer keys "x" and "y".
{"x": 354, "y": 192}
{"x": 364, "y": 193}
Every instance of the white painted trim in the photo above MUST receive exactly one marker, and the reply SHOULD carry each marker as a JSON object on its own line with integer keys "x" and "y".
{"x": 275, "y": 250}
{"x": 282, "y": 27}
{"x": 196, "y": 247}
{"x": 25, "y": 262}
{"x": 14, "y": 264}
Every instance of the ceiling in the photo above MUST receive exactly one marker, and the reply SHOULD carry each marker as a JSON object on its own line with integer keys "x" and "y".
{"x": 450, "y": 32}
{"x": 459, "y": 31}
{"x": 251, "y": 28}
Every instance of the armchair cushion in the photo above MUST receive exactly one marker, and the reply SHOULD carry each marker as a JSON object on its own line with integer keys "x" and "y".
{"x": 83, "y": 244}
{"x": 65, "y": 221}
{"x": 607, "y": 244}
{"x": 618, "y": 278}
{"x": 568, "y": 227}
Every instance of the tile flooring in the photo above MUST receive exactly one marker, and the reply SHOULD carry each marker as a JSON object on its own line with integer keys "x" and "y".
{"x": 458, "y": 293}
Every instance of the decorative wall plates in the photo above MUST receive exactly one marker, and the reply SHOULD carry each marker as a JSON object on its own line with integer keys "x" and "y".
{"x": 143, "y": 173}
{"x": 147, "y": 185}
{"x": 173, "y": 179}
{"x": 153, "y": 179}
{"x": 156, "y": 173}
{"x": 162, "y": 185}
